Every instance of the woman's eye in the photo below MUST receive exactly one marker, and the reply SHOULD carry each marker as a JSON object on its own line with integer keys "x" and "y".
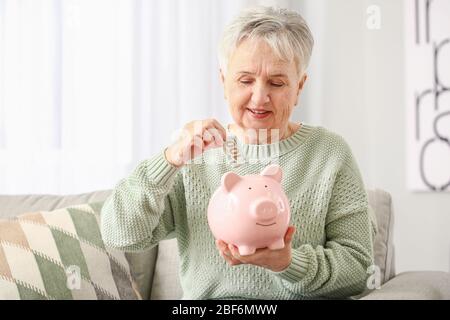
{"x": 275, "y": 84}
{"x": 245, "y": 81}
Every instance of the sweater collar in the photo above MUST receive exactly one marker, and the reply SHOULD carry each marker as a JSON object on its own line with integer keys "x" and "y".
{"x": 273, "y": 150}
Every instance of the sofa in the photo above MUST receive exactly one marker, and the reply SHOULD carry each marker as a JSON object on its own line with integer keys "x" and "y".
{"x": 155, "y": 271}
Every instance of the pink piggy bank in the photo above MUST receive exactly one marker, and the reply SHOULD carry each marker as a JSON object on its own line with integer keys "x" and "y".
{"x": 251, "y": 211}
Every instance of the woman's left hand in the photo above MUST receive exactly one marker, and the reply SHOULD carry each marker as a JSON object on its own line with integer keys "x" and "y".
{"x": 275, "y": 260}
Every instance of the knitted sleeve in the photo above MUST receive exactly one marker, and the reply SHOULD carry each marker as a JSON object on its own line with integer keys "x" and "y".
{"x": 140, "y": 211}
{"x": 338, "y": 268}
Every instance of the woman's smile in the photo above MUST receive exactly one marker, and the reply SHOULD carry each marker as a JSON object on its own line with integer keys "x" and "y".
{"x": 258, "y": 114}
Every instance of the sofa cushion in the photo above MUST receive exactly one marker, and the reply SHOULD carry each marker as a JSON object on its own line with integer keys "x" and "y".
{"x": 141, "y": 263}
{"x": 60, "y": 255}
{"x": 381, "y": 203}
{"x": 166, "y": 281}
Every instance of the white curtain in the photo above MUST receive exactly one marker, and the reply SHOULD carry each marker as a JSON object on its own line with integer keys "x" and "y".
{"x": 89, "y": 88}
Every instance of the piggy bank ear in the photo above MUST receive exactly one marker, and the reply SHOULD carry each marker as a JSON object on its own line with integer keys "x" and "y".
{"x": 273, "y": 171}
{"x": 229, "y": 180}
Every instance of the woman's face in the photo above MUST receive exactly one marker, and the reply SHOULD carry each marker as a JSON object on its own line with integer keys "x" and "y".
{"x": 261, "y": 89}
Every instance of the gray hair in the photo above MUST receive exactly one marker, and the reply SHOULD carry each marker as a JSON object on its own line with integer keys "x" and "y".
{"x": 285, "y": 31}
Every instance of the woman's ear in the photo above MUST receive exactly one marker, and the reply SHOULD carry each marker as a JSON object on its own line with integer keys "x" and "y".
{"x": 302, "y": 83}
{"x": 300, "y": 87}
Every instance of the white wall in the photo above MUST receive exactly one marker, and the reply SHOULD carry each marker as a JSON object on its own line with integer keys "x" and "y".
{"x": 356, "y": 89}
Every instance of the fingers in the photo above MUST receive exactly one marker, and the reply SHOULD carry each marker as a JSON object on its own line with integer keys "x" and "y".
{"x": 212, "y": 139}
{"x": 222, "y": 246}
{"x": 235, "y": 253}
{"x": 208, "y": 141}
{"x": 289, "y": 235}
{"x": 220, "y": 129}
{"x": 230, "y": 260}
{"x": 218, "y": 139}
{"x": 195, "y": 138}
{"x": 210, "y": 132}
{"x": 207, "y": 136}
{"x": 226, "y": 253}
{"x": 214, "y": 133}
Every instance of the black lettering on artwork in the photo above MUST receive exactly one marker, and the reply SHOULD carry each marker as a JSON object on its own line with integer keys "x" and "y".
{"x": 437, "y": 90}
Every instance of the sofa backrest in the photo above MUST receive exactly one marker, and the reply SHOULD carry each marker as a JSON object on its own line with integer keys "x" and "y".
{"x": 13, "y": 205}
{"x": 156, "y": 270}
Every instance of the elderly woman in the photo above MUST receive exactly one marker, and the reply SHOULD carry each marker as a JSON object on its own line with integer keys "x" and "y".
{"x": 328, "y": 246}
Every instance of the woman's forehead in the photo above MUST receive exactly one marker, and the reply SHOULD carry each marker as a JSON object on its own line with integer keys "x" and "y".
{"x": 268, "y": 67}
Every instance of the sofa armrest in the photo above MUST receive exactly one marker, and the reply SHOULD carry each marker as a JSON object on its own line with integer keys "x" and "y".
{"x": 417, "y": 285}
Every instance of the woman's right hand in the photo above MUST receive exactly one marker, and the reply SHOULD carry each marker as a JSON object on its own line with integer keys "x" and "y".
{"x": 196, "y": 137}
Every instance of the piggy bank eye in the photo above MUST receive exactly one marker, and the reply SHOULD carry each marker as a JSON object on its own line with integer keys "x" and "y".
{"x": 265, "y": 186}
{"x": 249, "y": 188}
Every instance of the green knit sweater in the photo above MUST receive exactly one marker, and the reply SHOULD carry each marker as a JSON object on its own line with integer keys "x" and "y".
{"x": 333, "y": 244}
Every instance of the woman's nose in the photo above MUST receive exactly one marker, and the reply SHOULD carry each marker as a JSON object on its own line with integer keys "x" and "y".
{"x": 260, "y": 95}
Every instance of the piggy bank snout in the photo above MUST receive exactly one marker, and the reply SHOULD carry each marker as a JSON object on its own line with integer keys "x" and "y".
{"x": 264, "y": 210}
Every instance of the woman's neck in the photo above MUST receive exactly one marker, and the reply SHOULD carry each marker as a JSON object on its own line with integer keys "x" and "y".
{"x": 263, "y": 136}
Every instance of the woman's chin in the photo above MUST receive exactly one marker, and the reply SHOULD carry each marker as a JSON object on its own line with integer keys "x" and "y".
{"x": 257, "y": 125}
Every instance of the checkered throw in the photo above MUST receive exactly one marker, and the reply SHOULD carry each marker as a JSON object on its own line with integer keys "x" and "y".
{"x": 60, "y": 255}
